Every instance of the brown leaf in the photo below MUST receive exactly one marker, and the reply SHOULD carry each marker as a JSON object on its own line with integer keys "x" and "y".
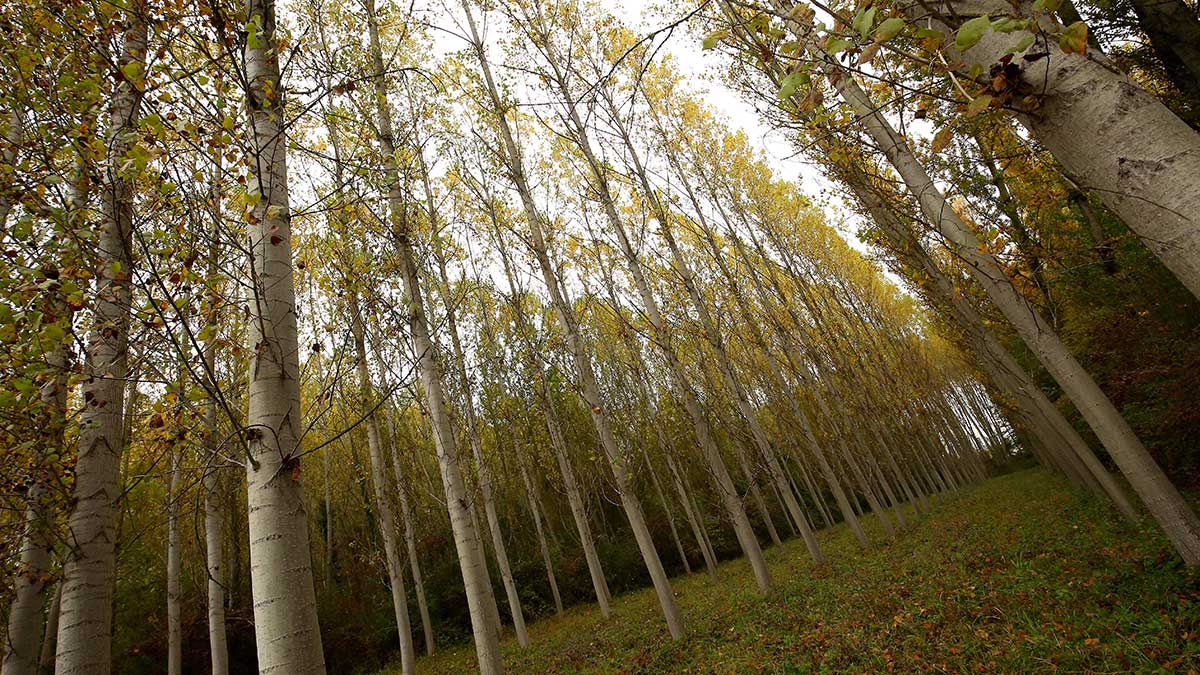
{"x": 868, "y": 53}
{"x": 941, "y": 139}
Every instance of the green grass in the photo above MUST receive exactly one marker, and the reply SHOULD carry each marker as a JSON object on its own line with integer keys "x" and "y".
{"x": 1019, "y": 574}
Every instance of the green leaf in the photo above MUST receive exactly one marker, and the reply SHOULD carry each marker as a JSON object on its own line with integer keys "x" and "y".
{"x": 837, "y": 45}
{"x": 889, "y": 29}
{"x": 1008, "y": 24}
{"x": 1023, "y": 44}
{"x": 23, "y": 228}
{"x": 253, "y": 40}
{"x": 712, "y": 39}
{"x": 978, "y": 104}
{"x": 970, "y": 32}
{"x": 1047, "y": 5}
{"x": 53, "y": 333}
{"x": 863, "y": 21}
{"x": 132, "y": 71}
{"x": 788, "y": 86}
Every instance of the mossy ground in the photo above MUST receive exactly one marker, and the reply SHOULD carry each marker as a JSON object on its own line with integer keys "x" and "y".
{"x": 1018, "y": 574}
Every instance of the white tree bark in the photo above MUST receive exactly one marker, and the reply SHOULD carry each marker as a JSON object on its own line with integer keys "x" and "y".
{"x": 777, "y": 474}
{"x": 1117, "y": 139}
{"x": 557, "y": 440}
{"x": 21, "y": 655}
{"x": 730, "y": 499}
{"x": 406, "y": 519}
{"x": 466, "y": 540}
{"x": 85, "y": 625}
{"x": 536, "y": 510}
{"x": 13, "y": 132}
{"x": 286, "y": 630}
{"x": 694, "y": 519}
{"x": 214, "y": 511}
{"x": 50, "y": 635}
{"x": 482, "y": 467}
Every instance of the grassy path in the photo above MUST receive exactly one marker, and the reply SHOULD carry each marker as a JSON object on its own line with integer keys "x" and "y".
{"x": 1016, "y": 575}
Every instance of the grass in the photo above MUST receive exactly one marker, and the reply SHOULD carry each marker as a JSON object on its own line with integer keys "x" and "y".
{"x": 1018, "y": 574}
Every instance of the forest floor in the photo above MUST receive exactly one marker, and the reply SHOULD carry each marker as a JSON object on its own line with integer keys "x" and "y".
{"x": 1018, "y": 574}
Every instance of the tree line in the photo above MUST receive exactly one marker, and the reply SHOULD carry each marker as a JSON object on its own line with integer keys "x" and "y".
{"x": 309, "y": 312}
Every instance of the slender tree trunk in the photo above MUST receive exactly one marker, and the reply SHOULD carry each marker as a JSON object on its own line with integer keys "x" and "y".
{"x": 214, "y": 516}
{"x": 482, "y": 467}
{"x": 797, "y": 412}
{"x": 21, "y": 656}
{"x": 586, "y": 375}
{"x": 818, "y": 501}
{"x": 541, "y": 535}
{"x": 466, "y": 539}
{"x": 85, "y": 625}
{"x": 666, "y": 506}
{"x": 554, "y": 428}
{"x": 28, "y": 588}
{"x": 756, "y": 492}
{"x": 287, "y": 633}
{"x": 13, "y": 133}
{"x": 330, "y": 548}
{"x": 732, "y": 502}
{"x": 174, "y": 566}
{"x": 710, "y": 558}
{"x": 50, "y": 635}
{"x": 406, "y": 518}
{"x": 379, "y": 480}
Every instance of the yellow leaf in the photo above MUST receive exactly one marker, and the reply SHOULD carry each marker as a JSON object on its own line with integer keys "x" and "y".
{"x": 1073, "y": 39}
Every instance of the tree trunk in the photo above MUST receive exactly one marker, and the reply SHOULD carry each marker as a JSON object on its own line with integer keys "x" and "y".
{"x": 732, "y": 502}
{"x": 174, "y": 565}
{"x": 797, "y": 412}
{"x": 13, "y": 133}
{"x": 586, "y": 375}
{"x": 541, "y": 535}
{"x": 214, "y": 516}
{"x": 379, "y": 480}
{"x": 466, "y": 539}
{"x": 50, "y": 635}
{"x": 85, "y": 625}
{"x": 694, "y": 520}
{"x": 553, "y": 426}
{"x": 666, "y": 506}
{"x": 1173, "y": 27}
{"x": 482, "y": 467}
{"x": 1173, "y": 514}
{"x": 1121, "y": 143}
{"x": 406, "y": 518}
{"x": 21, "y": 656}
{"x": 287, "y": 634}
